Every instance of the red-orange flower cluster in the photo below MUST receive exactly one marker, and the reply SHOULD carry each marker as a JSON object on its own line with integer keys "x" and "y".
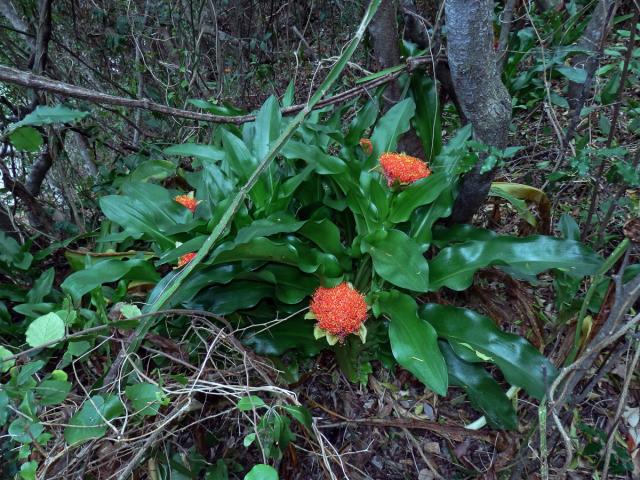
{"x": 187, "y": 201}
{"x": 402, "y": 168}
{"x": 186, "y": 258}
{"x": 339, "y": 310}
{"x": 366, "y": 145}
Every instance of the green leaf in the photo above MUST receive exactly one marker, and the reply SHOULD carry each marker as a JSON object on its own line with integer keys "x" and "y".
{"x": 226, "y": 299}
{"x": 267, "y": 127}
{"x": 423, "y": 218}
{"x": 609, "y": 92}
{"x": 469, "y": 332}
{"x": 295, "y": 333}
{"x": 519, "y": 204}
{"x": 12, "y": 254}
{"x": 41, "y": 287}
{"x": 454, "y": 266}
{"x": 5, "y": 365}
{"x": 52, "y": 392}
{"x": 146, "y": 398}
{"x": 26, "y": 139}
{"x": 28, "y": 470}
{"x": 300, "y": 413}
{"x": 204, "y": 152}
{"x": 323, "y": 163}
{"x": 483, "y": 391}
{"x": 279, "y": 222}
{"x": 147, "y": 209}
{"x": 251, "y": 402}
{"x": 389, "y": 128}
{"x": 362, "y": 121}
{"x": 45, "y": 329}
{"x": 419, "y": 193}
{"x": 427, "y": 118}
{"x": 574, "y": 74}
{"x": 24, "y": 430}
{"x": 289, "y": 251}
{"x": 89, "y": 422}
{"x": 79, "y": 283}
{"x": 397, "y": 259}
{"x": 262, "y": 472}
{"x": 413, "y": 341}
{"x": 44, "y": 115}
{"x": 156, "y": 170}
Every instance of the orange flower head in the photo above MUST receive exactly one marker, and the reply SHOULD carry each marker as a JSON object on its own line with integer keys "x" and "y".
{"x": 186, "y": 258}
{"x": 402, "y": 168}
{"x": 339, "y": 310}
{"x": 366, "y": 145}
{"x": 187, "y": 201}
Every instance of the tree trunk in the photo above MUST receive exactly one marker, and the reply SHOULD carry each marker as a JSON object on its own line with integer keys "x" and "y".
{"x": 592, "y": 41}
{"x": 483, "y": 98}
{"x": 384, "y": 38}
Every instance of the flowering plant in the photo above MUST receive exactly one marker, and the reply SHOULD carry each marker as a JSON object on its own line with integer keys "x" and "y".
{"x": 340, "y": 230}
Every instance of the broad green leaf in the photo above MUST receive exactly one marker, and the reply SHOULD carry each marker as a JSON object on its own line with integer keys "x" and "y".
{"x": 4, "y": 411}
{"x": 251, "y": 402}
{"x": 226, "y": 299}
{"x": 279, "y": 222}
{"x": 41, "y": 287}
{"x": 397, "y": 259}
{"x": 419, "y": 193}
{"x": 609, "y": 92}
{"x": 262, "y": 472}
{"x": 300, "y": 413}
{"x": 423, "y": 218}
{"x": 146, "y": 398}
{"x": 483, "y": 391}
{"x": 24, "y": 430}
{"x": 151, "y": 170}
{"x": 289, "y": 251}
{"x": 205, "y": 152}
{"x": 289, "y": 94}
{"x": 12, "y": 254}
{"x": 365, "y": 117}
{"x": 243, "y": 163}
{"x": 45, "y": 329}
{"x": 28, "y": 470}
{"x": 469, "y": 332}
{"x": 5, "y": 365}
{"x": 413, "y": 341}
{"x": 27, "y": 370}
{"x": 389, "y": 128}
{"x": 26, "y": 139}
{"x": 145, "y": 208}
{"x": 574, "y": 74}
{"x": 52, "y": 392}
{"x": 89, "y": 422}
{"x": 79, "y": 283}
{"x": 44, "y": 115}
{"x": 454, "y": 266}
{"x": 291, "y": 285}
{"x": 427, "y": 118}
{"x": 323, "y": 163}
{"x": 517, "y": 203}
{"x": 267, "y": 127}
{"x": 296, "y": 333}
{"x": 325, "y": 234}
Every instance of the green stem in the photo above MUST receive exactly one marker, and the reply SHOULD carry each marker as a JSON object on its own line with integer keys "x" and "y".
{"x": 597, "y": 278}
{"x": 363, "y": 274}
{"x": 236, "y": 203}
{"x": 544, "y": 453}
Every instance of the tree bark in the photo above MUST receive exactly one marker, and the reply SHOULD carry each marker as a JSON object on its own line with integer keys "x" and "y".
{"x": 9, "y": 12}
{"x": 384, "y": 38}
{"x": 592, "y": 41}
{"x": 483, "y": 98}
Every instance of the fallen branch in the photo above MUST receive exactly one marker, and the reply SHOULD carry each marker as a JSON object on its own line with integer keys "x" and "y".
{"x": 38, "y": 82}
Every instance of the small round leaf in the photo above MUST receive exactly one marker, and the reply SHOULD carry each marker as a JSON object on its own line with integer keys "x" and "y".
{"x": 45, "y": 329}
